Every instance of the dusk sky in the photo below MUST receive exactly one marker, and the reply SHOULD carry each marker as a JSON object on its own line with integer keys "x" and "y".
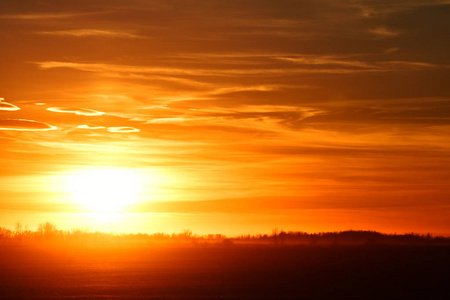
{"x": 224, "y": 116}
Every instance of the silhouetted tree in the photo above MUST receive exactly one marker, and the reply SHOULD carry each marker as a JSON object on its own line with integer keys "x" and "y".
{"x": 47, "y": 230}
{"x": 5, "y": 233}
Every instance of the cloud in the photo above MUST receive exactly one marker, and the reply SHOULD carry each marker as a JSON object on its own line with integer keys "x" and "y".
{"x": 129, "y": 69}
{"x": 91, "y": 33}
{"x": 384, "y": 32}
{"x": 357, "y": 66}
{"x": 90, "y": 127}
{"x": 307, "y": 64}
{"x": 261, "y": 118}
{"x": 25, "y": 125}
{"x": 110, "y": 129}
{"x": 7, "y": 106}
{"x": 77, "y": 111}
{"x": 373, "y": 9}
{"x": 123, "y": 129}
{"x": 255, "y": 109}
{"x": 323, "y": 60}
{"x": 112, "y": 70}
{"x": 235, "y": 89}
{"x": 175, "y": 120}
{"x": 400, "y": 65}
{"x": 42, "y": 16}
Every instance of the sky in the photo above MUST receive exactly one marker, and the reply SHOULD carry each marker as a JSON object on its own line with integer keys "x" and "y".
{"x": 228, "y": 117}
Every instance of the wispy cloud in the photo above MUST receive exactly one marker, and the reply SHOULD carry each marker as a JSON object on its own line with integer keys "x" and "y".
{"x": 381, "y": 66}
{"x": 254, "y": 109}
{"x": 25, "y": 125}
{"x": 110, "y": 129}
{"x": 234, "y": 89}
{"x": 384, "y": 32}
{"x": 320, "y": 65}
{"x": 123, "y": 129}
{"x": 7, "y": 106}
{"x": 373, "y": 9}
{"x": 113, "y": 69}
{"x": 260, "y": 118}
{"x": 323, "y": 60}
{"x": 91, "y": 33}
{"x": 77, "y": 111}
{"x": 168, "y": 120}
{"x": 90, "y": 127}
{"x": 410, "y": 65}
{"x": 43, "y": 16}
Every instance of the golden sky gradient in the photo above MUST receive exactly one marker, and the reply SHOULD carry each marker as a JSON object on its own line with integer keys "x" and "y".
{"x": 226, "y": 117}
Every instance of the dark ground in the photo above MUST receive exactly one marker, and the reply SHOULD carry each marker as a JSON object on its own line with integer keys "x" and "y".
{"x": 234, "y": 272}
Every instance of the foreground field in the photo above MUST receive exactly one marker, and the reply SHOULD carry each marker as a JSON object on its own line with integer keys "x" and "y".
{"x": 225, "y": 272}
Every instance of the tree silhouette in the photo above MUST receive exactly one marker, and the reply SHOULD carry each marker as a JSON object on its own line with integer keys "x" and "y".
{"x": 47, "y": 230}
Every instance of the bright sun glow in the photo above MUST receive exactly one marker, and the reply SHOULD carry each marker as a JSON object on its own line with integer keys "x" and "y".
{"x": 105, "y": 190}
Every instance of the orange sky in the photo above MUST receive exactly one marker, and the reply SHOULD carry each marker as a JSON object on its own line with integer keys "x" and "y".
{"x": 226, "y": 116}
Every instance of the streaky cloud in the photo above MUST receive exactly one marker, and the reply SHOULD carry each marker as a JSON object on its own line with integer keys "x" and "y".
{"x": 376, "y": 9}
{"x": 257, "y": 109}
{"x": 384, "y": 32}
{"x": 323, "y": 60}
{"x": 113, "y": 70}
{"x": 306, "y": 65}
{"x": 258, "y": 88}
{"x": 91, "y": 33}
{"x": 176, "y": 120}
{"x": 90, "y": 127}
{"x": 45, "y": 16}
{"x": 25, "y": 125}
{"x": 7, "y": 106}
{"x": 77, "y": 111}
{"x": 123, "y": 129}
{"x": 386, "y": 65}
{"x": 411, "y": 65}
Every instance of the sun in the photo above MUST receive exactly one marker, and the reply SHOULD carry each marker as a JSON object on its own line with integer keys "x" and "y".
{"x": 105, "y": 189}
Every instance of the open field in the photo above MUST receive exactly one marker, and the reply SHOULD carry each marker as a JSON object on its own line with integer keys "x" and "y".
{"x": 225, "y": 272}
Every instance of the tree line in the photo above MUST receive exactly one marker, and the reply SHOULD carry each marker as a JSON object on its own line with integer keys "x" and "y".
{"x": 48, "y": 232}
